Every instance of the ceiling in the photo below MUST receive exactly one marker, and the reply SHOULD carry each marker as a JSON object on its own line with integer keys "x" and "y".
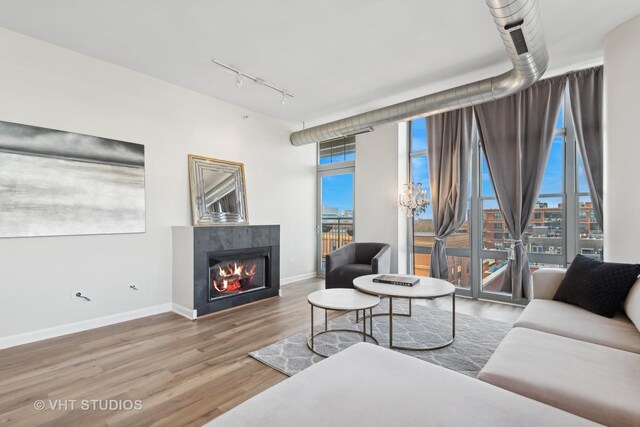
{"x": 337, "y": 57}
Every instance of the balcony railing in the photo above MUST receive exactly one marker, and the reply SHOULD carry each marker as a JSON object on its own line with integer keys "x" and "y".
{"x": 337, "y": 231}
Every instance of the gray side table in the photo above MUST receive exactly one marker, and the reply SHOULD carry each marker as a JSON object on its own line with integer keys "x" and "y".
{"x": 342, "y": 300}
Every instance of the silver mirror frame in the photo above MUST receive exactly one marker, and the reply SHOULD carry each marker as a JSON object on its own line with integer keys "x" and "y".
{"x": 198, "y": 164}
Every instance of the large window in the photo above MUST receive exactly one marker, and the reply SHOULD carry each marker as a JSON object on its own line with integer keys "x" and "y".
{"x": 336, "y": 189}
{"x": 459, "y": 243}
{"x": 563, "y": 223}
{"x": 544, "y": 239}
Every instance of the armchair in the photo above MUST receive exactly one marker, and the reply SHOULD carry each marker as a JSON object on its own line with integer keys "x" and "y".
{"x": 355, "y": 260}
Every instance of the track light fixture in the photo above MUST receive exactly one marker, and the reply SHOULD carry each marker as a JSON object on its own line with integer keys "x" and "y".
{"x": 240, "y": 75}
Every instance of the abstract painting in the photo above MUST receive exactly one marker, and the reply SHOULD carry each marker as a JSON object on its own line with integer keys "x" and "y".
{"x": 55, "y": 183}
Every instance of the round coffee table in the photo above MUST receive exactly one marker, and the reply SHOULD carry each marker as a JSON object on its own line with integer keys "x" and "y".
{"x": 341, "y": 300}
{"x": 427, "y": 288}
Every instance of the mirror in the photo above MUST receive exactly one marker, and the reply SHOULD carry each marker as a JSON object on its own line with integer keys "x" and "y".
{"x": 218, "y": 194}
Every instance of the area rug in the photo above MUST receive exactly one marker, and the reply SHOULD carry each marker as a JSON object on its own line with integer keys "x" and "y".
{"x": 476, "y": 339}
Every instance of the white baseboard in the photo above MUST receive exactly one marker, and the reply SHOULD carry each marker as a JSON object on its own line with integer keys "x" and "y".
{"x": 184, "y": 311}
{"x": 84, "y": 325}
{"x": 293, "y": 279}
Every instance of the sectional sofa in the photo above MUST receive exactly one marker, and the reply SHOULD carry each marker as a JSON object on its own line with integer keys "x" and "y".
{"x": 560, "y": 365}
{"x": 367, "y": 385}
{"x": 572, "y": 359}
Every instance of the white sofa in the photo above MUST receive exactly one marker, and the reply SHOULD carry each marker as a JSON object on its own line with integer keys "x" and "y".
{"x": 560, "y": 365}
{"x": 572, "y": 359}
{"x": 367, "y": 385}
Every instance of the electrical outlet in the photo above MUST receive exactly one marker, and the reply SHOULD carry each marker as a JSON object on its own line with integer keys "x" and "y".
{"x": 75, "y": 297}
{"x": 292, "y": 260}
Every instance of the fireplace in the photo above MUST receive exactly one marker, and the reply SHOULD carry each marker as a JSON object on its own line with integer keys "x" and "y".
{"x": 217, "y": 268}
{"x": 236, "y": 272}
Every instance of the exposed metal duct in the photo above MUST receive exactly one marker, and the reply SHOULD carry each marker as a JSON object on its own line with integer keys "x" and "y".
{"x": 518, "y": 22}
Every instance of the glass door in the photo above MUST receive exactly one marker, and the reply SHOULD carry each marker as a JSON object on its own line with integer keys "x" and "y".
{"x": 335, "y": 222}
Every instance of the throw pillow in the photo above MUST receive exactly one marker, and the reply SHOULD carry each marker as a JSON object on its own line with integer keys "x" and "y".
{"x": 597, "y": 286}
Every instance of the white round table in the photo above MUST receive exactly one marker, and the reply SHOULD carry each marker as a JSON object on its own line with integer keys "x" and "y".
{"x": 341, "y": 300}
{"x": 427, "y": 288}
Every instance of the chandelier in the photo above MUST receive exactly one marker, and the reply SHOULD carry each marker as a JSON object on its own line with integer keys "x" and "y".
{"x": 413, "y": 199}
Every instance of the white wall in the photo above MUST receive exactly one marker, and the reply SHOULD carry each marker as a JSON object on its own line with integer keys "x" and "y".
{"x": 381, "y": 168}
{"x": 622, "y": 143}
{"x": 44, "y": 85}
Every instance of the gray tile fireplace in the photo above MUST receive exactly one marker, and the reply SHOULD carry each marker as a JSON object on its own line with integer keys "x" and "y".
{"x": 219, "y": 267}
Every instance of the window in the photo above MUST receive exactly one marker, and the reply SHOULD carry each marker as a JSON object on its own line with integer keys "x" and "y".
{"x": 419, "y": 136}
{"x": 492, "y": 217}
{"x": 545, "y": 234}
{"x": 423, "y": 235}
{"x": 590, "y": 236}
{"x": 563, "y": 223}
{"x": 458, "y": 244}
{"x": 340, "y": 150}
{"x": 335, "y": 198}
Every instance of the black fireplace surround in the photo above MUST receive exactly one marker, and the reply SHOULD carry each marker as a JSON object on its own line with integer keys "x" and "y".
{"x": 245, "y": 258}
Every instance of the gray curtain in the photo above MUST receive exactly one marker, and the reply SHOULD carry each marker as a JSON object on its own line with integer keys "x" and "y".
{"x": 516, "y": 134}
{"x": 586, "y": 95}
{"x": 449, "y": 149}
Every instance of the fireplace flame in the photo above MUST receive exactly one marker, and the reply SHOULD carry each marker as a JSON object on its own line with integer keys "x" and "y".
{"x": 231, "y": 277}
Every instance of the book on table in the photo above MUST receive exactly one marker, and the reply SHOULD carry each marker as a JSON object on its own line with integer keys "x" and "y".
{"x": 396, "y": 280}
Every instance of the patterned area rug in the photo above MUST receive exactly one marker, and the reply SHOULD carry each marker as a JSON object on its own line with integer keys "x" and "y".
{"x": 476, "y": 339}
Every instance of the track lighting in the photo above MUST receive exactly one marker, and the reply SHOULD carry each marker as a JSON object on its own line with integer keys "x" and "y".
{"x": 257, "y": 80}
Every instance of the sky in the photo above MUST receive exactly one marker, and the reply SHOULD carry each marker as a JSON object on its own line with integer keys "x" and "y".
{"x": 337, "y": 190}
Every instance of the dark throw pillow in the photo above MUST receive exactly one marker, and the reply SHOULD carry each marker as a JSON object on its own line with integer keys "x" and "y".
{"x": 597, "y": 286}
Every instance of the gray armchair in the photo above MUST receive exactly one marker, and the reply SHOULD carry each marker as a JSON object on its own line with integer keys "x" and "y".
{"x": 355, "y": 260}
